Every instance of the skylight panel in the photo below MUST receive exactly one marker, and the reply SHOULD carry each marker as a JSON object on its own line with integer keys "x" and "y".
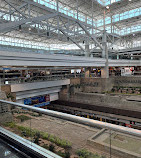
{"x": 107, "y": 2}
{"x": 101, "y": 2}
{"x": 119, "y": 17}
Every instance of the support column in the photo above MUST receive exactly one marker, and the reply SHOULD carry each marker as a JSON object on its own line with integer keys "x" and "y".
{"x": 132, "y": 57}
{"x": 105, "y": 70}
{"x": 75, "y": 73}
{"x": 26, "y": 72}
{"x": 91, "y": 55}
{"x": 87, "y": 50}
{"x": 87, "y": 72}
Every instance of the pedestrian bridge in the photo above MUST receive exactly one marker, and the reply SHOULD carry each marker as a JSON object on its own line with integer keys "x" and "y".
{"x": 8, "y": 58}
{"x": 33, "y": 89}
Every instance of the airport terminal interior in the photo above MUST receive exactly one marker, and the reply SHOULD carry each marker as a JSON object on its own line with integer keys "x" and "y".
{"x": 70, "y": 78}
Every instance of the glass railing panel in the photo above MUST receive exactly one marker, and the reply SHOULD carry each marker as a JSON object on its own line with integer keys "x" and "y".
{"x": 76, "y": 137}
{"x": 20, "y": 80}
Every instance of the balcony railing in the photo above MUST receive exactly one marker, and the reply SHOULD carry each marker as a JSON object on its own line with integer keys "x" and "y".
{"x": 33, "y": 123}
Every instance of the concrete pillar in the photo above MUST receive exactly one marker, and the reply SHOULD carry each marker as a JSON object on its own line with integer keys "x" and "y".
{"x": 22, "y": 73}
{"x": 91, "y": 55}
{"x": 105, "y": 70}
{"x": 87, "y": 72}
{"x": 87, "y": 50}
{"x": 104, "y": 45}
{"x": 3, "y": 73}
{"x": 132, "y": 57}
{"x": 68, "y": 93}
{"x": 26, "y": 72}
{"x": 75, "y": 73}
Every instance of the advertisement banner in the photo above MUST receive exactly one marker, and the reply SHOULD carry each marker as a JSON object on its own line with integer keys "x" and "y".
{"x": 38, "y": 101}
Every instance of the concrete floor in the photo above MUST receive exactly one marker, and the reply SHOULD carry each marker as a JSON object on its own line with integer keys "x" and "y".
{"x": 75, "y": 133}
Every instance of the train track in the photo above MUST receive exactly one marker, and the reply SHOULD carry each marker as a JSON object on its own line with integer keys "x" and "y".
{"x": 125, "y": 118}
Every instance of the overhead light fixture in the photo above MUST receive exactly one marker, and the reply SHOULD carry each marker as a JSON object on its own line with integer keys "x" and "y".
{"x": 29, "y": 29}
{"x": 107, "y": 7}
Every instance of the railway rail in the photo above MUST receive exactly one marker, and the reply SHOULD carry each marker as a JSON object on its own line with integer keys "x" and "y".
{"x": 93, "y": 112}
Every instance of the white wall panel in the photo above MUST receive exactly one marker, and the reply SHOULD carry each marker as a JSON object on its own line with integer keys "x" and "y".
{"x": 38, "y": 85}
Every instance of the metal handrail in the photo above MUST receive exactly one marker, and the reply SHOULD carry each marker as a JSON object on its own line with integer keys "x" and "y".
{"x": 28, "y": 144}
{"x": 38, "y": 78}
{"x": 80, "y": 120}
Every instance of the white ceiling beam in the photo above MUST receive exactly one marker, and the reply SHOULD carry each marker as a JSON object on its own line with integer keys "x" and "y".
{"x": 11, "y": 25}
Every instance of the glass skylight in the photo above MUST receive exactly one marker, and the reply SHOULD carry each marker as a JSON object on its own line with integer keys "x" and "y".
{"x": 23, "y": 43}
{"x": 119, "y": 17}
{"x": 107, "y": 2}
{"x": 99, "y": 23}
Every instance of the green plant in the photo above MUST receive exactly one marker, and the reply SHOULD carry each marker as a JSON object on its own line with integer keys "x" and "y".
{"x": 27, "y": 131}
{"x": 58, "y": 141}
{"x": 23, "y": 133}
{"x": 45, "y": 146}
{"x": 67, "y": 154}
{"x": 36, "y": 137}
{"x": 44, "y": 135}
{"x": 62, "y": 154}
{"x": 23, "y": 117}
{"x": 83, "y": 153}
{"x": 52, "y": 147}
{"x": 34, "y": 114}
{"x": 10, "y": 124}
{"x": 51, "y": 138}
